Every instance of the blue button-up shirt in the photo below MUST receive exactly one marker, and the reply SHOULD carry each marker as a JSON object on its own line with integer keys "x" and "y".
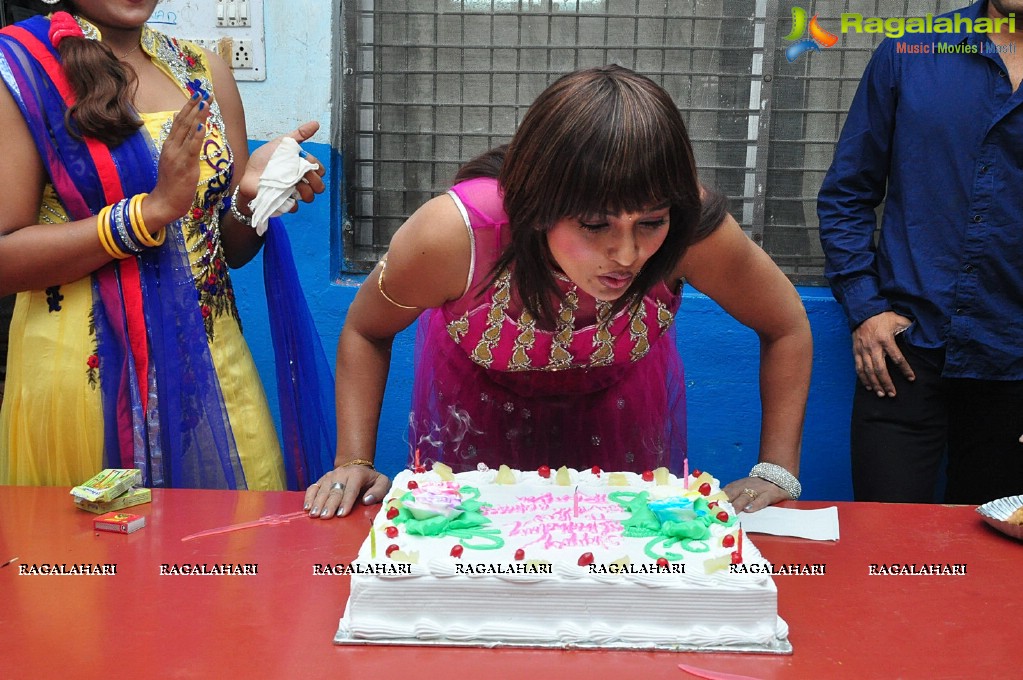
{"x": 939, "y": 138}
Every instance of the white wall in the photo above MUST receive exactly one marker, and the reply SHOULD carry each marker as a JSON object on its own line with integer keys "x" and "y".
{"x": 299, "y": 61}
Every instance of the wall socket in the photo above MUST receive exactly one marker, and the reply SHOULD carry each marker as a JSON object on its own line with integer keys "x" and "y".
{"x": 241, "y": 53}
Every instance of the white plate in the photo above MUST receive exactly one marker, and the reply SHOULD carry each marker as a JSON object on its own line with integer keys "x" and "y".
{"x": 996, "y": 512}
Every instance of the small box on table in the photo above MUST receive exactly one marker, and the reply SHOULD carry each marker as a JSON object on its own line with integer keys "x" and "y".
{"x": 107, "y": 485}
{"x": 119, "y": 522}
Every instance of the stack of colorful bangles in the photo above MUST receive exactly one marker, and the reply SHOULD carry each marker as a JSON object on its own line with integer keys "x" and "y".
{"x": 122, "y": 231}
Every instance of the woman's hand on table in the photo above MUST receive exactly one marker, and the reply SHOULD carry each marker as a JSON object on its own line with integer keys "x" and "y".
{"x": 753, "y": 493}
{"x": 337, "y": 492}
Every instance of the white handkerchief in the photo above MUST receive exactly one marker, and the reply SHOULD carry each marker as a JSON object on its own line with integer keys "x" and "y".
{"x": 276, "y": 194}
{"x": 818, "y": 525}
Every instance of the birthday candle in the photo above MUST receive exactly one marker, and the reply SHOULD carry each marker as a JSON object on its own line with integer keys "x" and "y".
{"x": 685, "y": 470}
{"x": 416, "y": 468}
{"x": 372, "y": 543}
{"x": 575, "y": 502}
{"x": 740, "y": 544}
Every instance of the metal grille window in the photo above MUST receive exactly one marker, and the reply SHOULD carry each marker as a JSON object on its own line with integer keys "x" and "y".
{"x": 429, "y": 84}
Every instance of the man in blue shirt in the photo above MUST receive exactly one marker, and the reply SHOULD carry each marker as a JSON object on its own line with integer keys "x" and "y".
{"x": 936, "y": 305}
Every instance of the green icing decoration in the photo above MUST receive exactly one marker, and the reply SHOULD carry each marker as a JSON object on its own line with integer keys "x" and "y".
{"x": 466, "y": 524}
{"x": 642, "y": 521}
{"x": 690, "y": 535}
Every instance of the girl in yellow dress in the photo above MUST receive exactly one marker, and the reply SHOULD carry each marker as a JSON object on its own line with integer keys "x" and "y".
{"x": 125, "y": 180}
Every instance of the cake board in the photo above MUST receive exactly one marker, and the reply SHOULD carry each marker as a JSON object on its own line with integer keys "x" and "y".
{"x": 776, "y": 646}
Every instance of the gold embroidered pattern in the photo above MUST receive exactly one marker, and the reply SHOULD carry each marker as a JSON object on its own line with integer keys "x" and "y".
{"x": 603, "y": 341}
{"x": 458, "y": 328}
{"x": 560, "y": 357}
{"x": 638, "y": 332}
{"x": 484, "y": 352}
{"x": 523, "y": 343}
{"x": 664, "y": 316}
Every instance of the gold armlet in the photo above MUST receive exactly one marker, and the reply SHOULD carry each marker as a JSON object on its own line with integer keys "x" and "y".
{"x": 380, "y": 285}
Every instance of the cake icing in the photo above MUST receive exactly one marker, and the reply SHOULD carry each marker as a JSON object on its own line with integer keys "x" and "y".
{"x": 566, "y": 558}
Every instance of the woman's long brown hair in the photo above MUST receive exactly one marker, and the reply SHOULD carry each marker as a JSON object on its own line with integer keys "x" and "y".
{"x": 104, "y": 89}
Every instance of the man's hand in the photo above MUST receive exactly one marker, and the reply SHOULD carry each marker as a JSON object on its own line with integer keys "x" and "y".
{"x": 873, "y": 340}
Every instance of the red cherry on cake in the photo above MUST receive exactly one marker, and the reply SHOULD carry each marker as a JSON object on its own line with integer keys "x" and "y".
{"x": 392, "y": 532}
{"x": 736, "y": 558}
{"x": 544, "y": 471}
{"x": 722, "y": 516}
{"x": 520, "y": 554}
{"x": 585, "y": 559}
{"x": 456, "y": 550}
{"x": 390, "y": 549}
{"x": 595, "y": 470}
{"x": 392, "y": 512}
{"x": 662, "y": 561}
{"x": 696, "y": 473}
{"x": 648, "y": 475}
{"x": 420, "y": 469}
{"x": 728, "y": 541}
{"x": 712, "y": 504}
{"x": 704, "y": 488}
{"x": 412, "y": 484}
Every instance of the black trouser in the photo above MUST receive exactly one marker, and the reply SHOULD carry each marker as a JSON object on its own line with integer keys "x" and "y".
{"x": 898, "y": 443}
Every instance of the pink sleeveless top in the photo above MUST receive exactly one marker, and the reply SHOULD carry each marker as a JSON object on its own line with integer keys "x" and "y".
{"x": 490, "y": 387}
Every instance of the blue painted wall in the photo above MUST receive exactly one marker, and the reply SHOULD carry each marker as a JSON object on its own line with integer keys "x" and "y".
{"x": 721, "y": 358}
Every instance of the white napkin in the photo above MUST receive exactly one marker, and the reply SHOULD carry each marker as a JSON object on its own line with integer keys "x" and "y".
{"x": 817, "y": 525}
{"x": 277, "y": 194}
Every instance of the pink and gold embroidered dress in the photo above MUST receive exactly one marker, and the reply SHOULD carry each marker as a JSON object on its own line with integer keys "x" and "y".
{"x": 491, "y": 387}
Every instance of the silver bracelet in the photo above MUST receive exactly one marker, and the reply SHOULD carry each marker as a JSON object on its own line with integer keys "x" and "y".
{"x": 778, "y": 476}
{"x": 247, "y": 221}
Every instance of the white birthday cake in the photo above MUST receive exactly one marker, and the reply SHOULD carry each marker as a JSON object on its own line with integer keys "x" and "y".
{"x": 561, "y": 558}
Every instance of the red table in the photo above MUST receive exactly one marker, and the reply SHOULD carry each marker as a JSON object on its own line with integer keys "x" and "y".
{"x": 280, "y": 623}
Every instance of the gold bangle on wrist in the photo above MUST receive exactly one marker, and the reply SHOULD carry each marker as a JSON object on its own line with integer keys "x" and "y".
{"x": 357, "y": 461}
{"x": 138, "y": 224}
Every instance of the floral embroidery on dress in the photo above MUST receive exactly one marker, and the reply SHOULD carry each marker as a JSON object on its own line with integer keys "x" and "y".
{"x": 53, "y": 298}
{"x": 201, "y": 225}
{"x": 92, "y": 361}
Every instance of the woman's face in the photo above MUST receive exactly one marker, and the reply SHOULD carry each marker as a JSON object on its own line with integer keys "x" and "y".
{"x": 603, "y": 254}
{"x": 115, "y": 14}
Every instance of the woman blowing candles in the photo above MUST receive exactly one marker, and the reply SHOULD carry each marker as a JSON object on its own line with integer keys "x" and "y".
{"x": 545, "y": 284}
{"x": 125, "y": 184}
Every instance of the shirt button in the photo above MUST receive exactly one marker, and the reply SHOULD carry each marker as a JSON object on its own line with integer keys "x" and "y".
{"x": 983, "y": 169}
{"x": 977, "y": 218}
{"x": 968, "y": 268}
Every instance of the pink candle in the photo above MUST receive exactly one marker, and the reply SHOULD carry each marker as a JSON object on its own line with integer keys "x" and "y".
{"x": 575, "y": 502}
{"x": 685, "y": 470}
{"x": 740, "y": 544}
{"x": 416, "y": 468}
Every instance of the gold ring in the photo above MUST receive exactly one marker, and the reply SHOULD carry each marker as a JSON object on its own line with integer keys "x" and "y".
{"x": 751, "y": 493}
